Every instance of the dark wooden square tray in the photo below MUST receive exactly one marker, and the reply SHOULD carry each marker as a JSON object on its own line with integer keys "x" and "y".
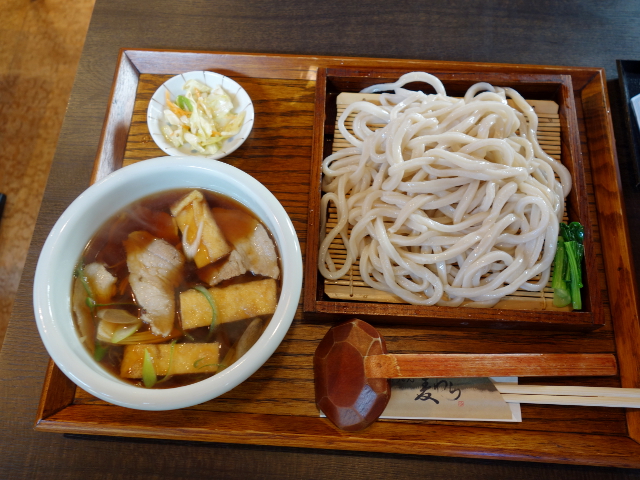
{"x": 546, "y": 86}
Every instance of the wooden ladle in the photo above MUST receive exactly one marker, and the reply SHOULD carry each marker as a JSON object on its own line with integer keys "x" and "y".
{"x": 352, "y": 367}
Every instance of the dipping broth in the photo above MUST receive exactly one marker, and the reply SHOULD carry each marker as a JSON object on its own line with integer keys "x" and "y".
{"x": 175, "y": 288}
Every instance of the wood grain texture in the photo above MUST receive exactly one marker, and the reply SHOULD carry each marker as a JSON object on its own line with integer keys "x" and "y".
{"x": 62, "y": 392}
{"x": 278, "y": 154}
{"x": 489, "y": 365}
{"x": 585, "y": 33}
{"x": 118, "y": 120}
{"x": 621, "y": 274}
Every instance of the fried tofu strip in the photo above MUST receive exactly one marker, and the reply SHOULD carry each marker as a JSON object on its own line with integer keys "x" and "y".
{"x": 194, "y": 219}
{"x": 187, "y": 358}
{"x": 235, "y": 302}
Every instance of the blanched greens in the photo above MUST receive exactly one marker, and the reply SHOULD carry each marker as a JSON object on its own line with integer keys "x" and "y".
{"x": 567, "y": 275}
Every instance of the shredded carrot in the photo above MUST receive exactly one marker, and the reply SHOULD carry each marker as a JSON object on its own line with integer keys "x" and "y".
{"x": 174, "y": 108}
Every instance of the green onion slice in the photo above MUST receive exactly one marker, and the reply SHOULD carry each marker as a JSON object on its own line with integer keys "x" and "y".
{"x": 91, "y": 303}
{"x": 168, "y": 375}
{"x": 100, "y": 352}
{"x": 82, "y": 276}
{"x": 195, "y": 364}
{"x": 124, "y": 331}
{"x": 214, "y": 309}
{"x": 149, "y": 377}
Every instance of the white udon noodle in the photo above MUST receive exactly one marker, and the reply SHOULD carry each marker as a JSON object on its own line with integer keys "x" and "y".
{"x": 452, "y": 199}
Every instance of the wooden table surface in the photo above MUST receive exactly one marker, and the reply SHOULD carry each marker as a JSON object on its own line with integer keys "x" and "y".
{"x": 568, "y": 33}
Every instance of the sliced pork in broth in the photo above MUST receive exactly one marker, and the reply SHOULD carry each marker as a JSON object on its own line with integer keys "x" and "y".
{"x": 155, "y": 269}
{"x": 149, "y": 299}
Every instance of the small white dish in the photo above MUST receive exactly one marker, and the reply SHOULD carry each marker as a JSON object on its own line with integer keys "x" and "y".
{"x": 77, "y": 225}
{"x": 241, "y": 101}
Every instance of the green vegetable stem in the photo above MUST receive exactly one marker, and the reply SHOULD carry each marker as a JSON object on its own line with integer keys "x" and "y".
{"x": 561, "y": 295}
{"x": 567, "y": 275}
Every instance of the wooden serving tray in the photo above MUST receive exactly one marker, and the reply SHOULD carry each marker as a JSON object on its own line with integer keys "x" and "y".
{"x": 276, "y": 405}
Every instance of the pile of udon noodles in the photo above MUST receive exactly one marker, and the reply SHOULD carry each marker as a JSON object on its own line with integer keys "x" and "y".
{"x": 452, "y": 201}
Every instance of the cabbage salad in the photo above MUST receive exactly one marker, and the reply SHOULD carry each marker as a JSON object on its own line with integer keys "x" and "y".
{"x": 203, "y": 118}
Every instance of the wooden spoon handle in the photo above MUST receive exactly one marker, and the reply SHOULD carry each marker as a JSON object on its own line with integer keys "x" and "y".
{"x": 490, "y": 365}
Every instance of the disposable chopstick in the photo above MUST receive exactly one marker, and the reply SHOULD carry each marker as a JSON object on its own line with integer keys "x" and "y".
{"x": 622, "y": 402}
{"x": 568, "y": 390}
{"x": 570, "y": 395}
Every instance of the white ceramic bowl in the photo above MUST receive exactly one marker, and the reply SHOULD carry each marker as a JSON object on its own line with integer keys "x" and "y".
{"x": 69, "y": 236}
{"x": 241, "y": 101}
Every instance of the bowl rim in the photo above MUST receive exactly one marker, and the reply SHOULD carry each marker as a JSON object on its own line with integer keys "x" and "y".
{"x": 219, "y": 79}
{"x": 116, "y": 391}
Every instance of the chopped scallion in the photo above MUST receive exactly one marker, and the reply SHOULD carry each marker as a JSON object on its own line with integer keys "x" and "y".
{"x": 214, "y": 309}
{"x": 99, "y": 352}
{"x": 82, "y": 276}
{"x": 195, "y": 364}
{"x": 124, "y": 331}
{"x": 168, "y": 375}
{"x": 91, "y": 303}
{"x": 149, "y": 377}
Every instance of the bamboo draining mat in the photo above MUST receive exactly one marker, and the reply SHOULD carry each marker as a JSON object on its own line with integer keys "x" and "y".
{"x": 352, "y": 287}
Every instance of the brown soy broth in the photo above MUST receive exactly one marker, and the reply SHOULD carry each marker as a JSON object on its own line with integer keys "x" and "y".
{"x": 153, "y": 214}
{"x": 226, "y": 334}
